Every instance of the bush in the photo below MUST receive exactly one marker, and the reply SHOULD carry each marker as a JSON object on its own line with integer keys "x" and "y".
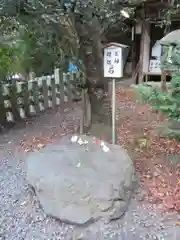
{"x": 169, "y": 102}
{"x": 144, "y": 92}
{"x": 166, "y": 102}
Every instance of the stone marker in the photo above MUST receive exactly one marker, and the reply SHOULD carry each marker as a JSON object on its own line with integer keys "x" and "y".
{"x": 80, "y": 180}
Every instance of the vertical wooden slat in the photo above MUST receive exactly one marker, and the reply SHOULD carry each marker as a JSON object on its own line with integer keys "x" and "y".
{"x": 41, "y": 98}
{"x": 2, "y": 107}
{"x": 13, "y": 100}
{"x": 25, "y": 96}
{"x": 45, "y": 93}
{"x": 35, "y": 90}
{"x": 73, "y": 84}
{"x": 57, "y": 75}
{"x": 57, "y": 83}
{"x": 53, "y": 87}
{"x": 65, "y": 76}
{"x": 7, "y": 103}
{"x": 48, "y": 81}
{"x": 69, "y": 90}
{"x": 61, "y": 89}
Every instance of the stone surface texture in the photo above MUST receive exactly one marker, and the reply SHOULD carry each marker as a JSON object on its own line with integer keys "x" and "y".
{"x": 82, "y": 180}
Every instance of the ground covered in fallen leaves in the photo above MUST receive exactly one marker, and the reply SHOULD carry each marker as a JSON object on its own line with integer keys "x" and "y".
{"x": 49, "y": 127}
{"x": 156, "y": 158}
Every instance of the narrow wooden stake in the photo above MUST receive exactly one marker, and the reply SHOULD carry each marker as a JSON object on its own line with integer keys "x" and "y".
{"x": 69, "y": 92}
{"x": 113, "y": 112}
{"x": 45, "y": 93}
{"x": 57, "y": 83}
{"x": 2, "y": 107}
{"x": 82, "y": 113}
{"x": 61, "y": 79}
{"x": 25, "y": 96}
{"x": 14, "y": 101}
{"x": 53, "y": 91}
{"x": 35, "y": 89}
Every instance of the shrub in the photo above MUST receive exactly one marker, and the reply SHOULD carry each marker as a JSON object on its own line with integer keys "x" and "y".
{"x": 166, "y": 102}
{"x": 144, "y": 92}
{"x": 169, "y": 102}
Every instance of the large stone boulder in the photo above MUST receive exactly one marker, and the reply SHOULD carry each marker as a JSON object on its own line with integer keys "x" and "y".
{"x": 80, "y": 180}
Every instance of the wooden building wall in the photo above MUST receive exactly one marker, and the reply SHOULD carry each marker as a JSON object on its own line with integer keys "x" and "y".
{"x": 150, "y": 14}
{"x": 150, "y": 33}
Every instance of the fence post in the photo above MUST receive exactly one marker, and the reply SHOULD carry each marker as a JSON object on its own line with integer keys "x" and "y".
{"x": 13, "y": 100}
{"x": 56, "y": 75}
{"x": 69, "y": 90}
{"x": 45, "y": 93}
{"x": 35, "y": 92}
{"x": 61, "y": 83}
{"x": 2, "y": 107}
{"x": 53, "y": 92}
{"x": 25, "y": 97}
{"x": 65, "y": 76}
{"x": 57, "y": 82}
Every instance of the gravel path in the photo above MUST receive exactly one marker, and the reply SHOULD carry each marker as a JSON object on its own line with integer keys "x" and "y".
{"x": 21, "y": 217}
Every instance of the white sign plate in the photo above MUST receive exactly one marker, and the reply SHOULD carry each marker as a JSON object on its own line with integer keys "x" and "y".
{"x": 113, "y": 62}
{"x": 154, "y": 66}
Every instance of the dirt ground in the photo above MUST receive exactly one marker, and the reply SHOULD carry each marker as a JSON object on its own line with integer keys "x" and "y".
{"x": 21, "y": 217}
{"x": 35, "y": 133}
{"x": 156, "y": 158}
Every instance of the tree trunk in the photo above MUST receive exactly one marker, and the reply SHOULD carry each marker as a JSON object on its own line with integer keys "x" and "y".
{"x": 85, "y": 121}
{"x": 100, "y": 105}
{"x": 97, "y": 85}
{"x": 98, "y": 56}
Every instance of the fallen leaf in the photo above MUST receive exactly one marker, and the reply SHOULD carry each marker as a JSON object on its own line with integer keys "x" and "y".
{"x": 40, "y": 145}
{"x": 150, "y": 151}
{"x": 78, "y": 165}
{"x": 23, "y": 203}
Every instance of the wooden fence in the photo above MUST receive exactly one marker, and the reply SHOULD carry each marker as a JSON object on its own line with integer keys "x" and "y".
{"x": 20, "y": 100}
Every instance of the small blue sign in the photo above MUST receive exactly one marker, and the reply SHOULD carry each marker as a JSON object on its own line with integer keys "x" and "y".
{"x": 72, "y": 68}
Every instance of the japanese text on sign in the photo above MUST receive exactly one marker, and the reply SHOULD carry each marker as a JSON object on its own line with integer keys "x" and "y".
{"x": 113, "y": 62}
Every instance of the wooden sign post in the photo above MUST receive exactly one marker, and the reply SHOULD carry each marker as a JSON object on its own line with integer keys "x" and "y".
{"x": 113, "y": 68}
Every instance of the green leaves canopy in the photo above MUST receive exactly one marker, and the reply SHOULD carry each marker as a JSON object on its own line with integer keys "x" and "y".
{"x": 53, "y": 30}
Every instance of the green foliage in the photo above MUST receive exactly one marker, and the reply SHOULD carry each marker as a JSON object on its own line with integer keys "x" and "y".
{"x": 61, "y": 29}
{"x": 6, "y": 61}
{"x": 144, "y": 92}
{"x": 166, "y": 102}
{"x": 170, "y": 59}
{"x": 170, "y": 103}
{"x": 45, "y": 35}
